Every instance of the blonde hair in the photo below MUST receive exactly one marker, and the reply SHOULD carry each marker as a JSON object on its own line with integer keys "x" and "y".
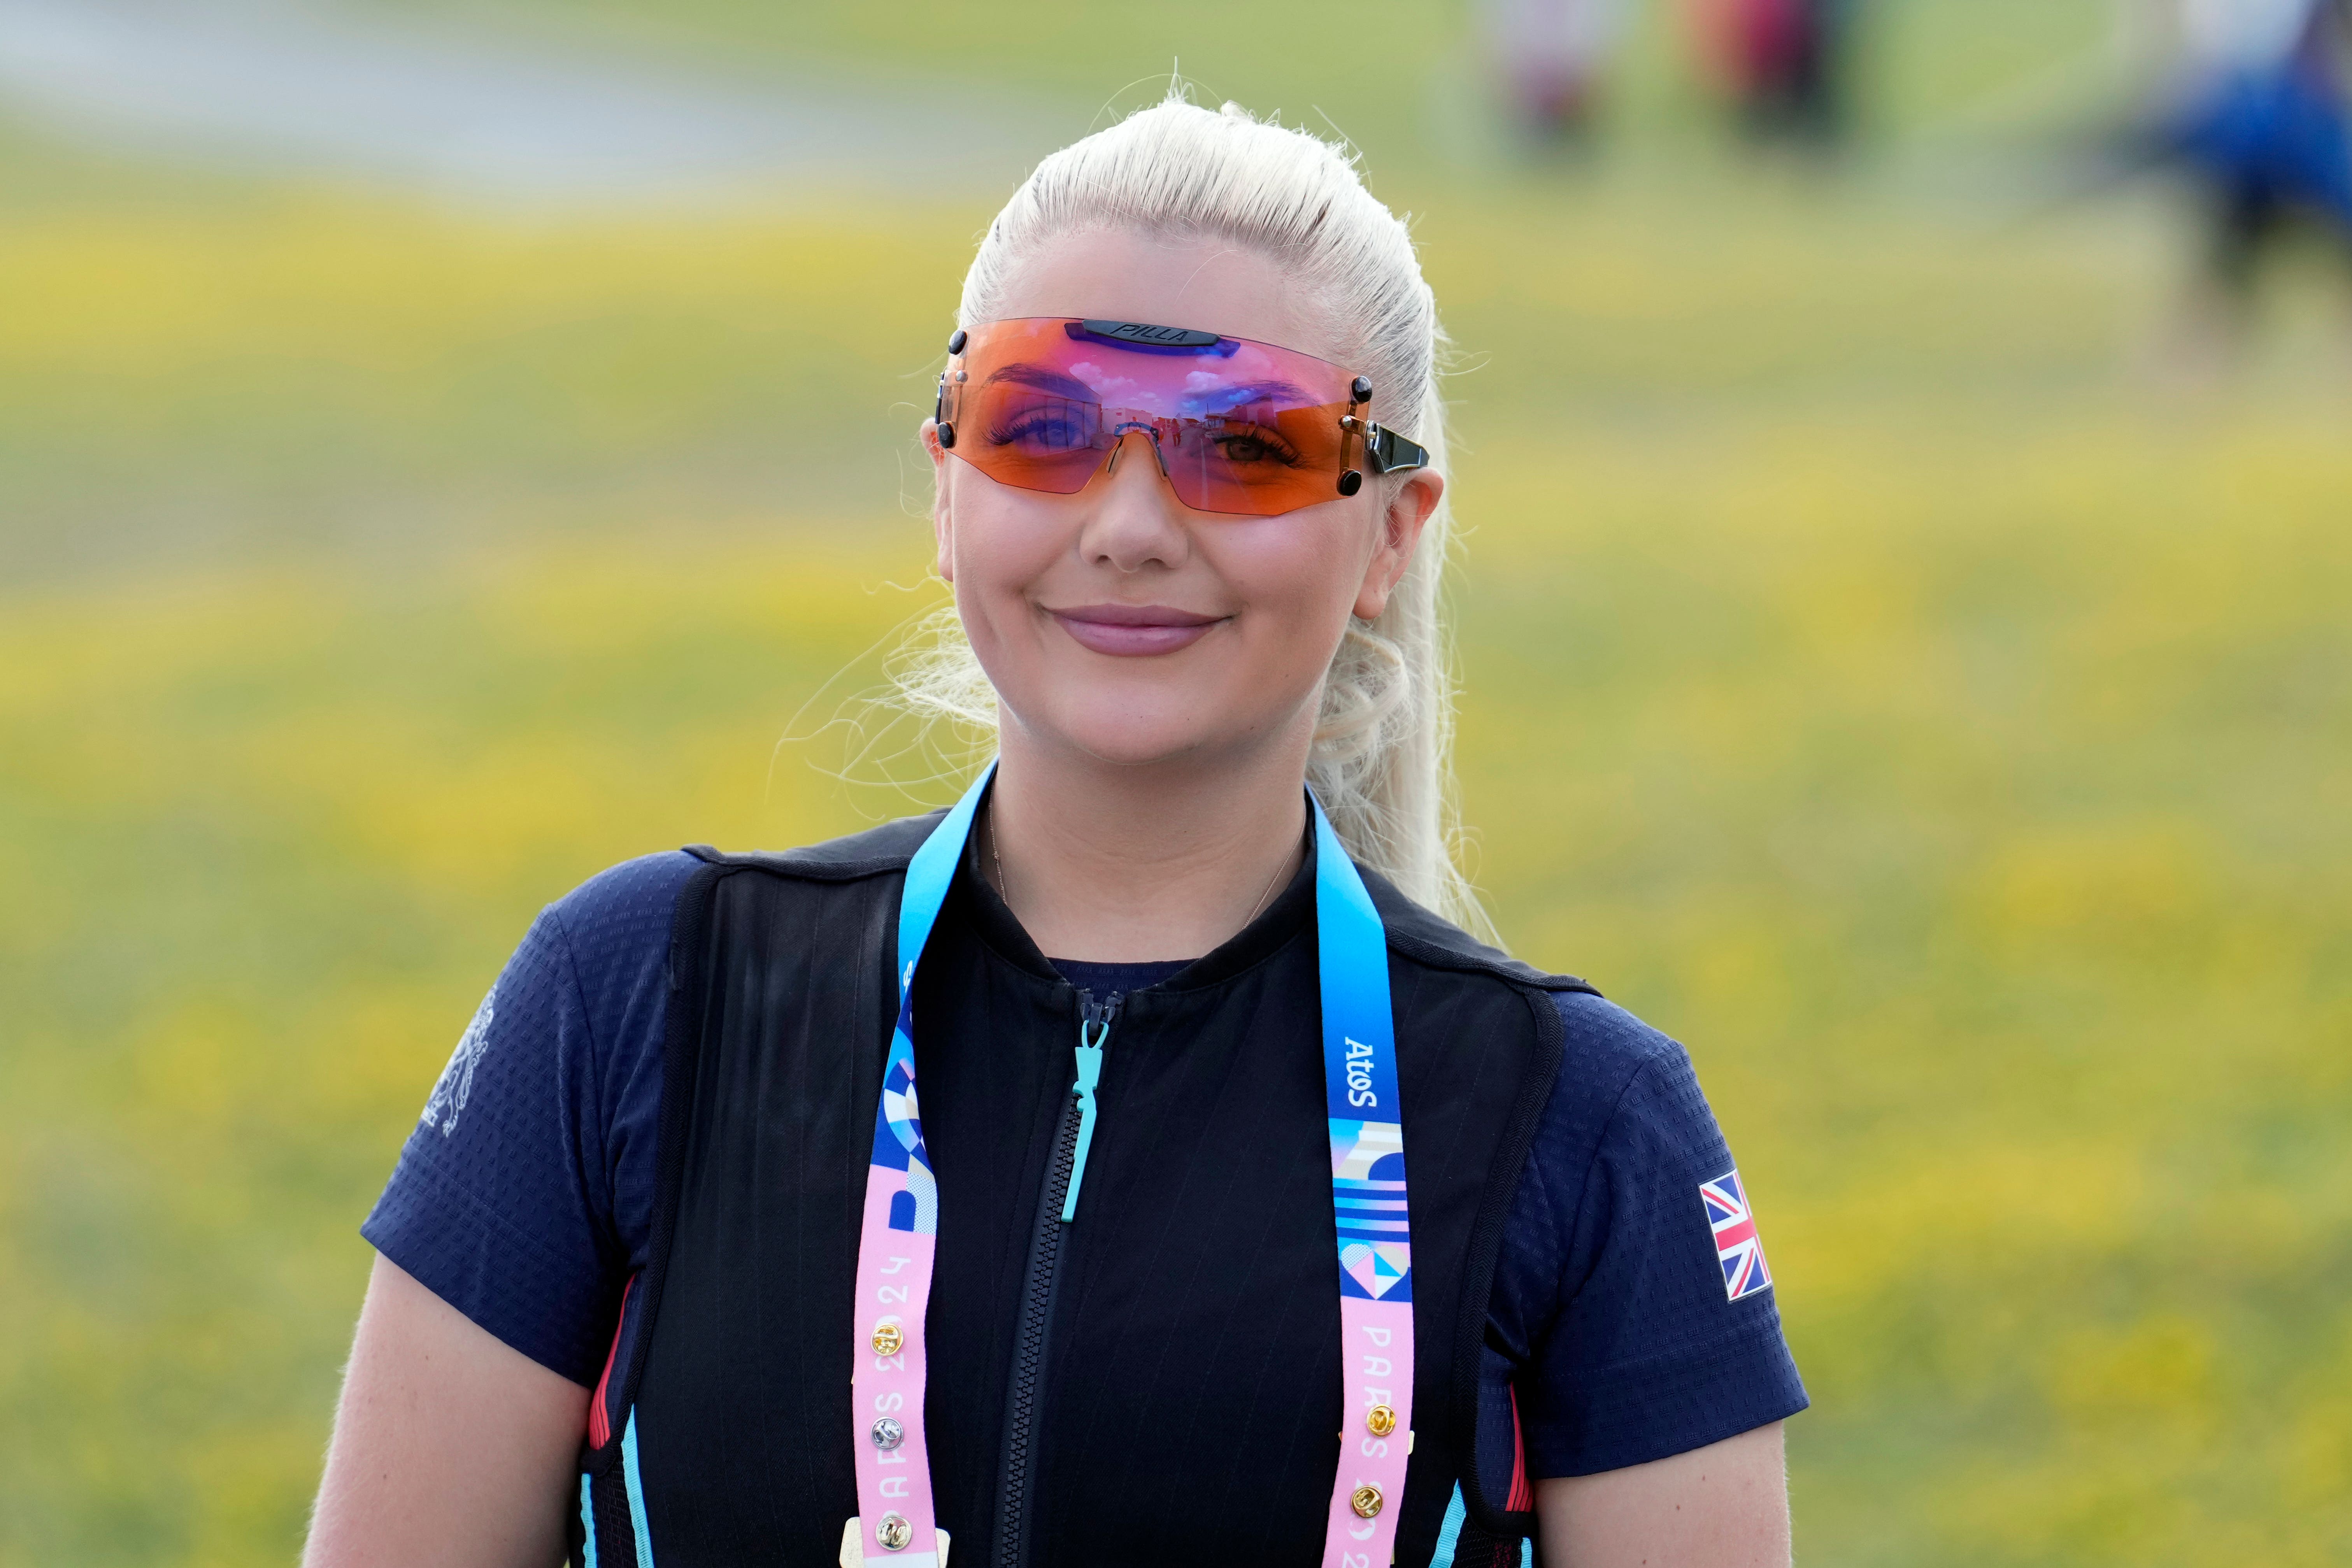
{"x": 1381, "y": 762}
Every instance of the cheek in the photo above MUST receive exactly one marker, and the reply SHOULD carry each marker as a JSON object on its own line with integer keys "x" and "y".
{"x": 1306, "y": 564}
{"x": 1005, "y": 542}
{"x": 1298, "y": 575}
{"x": 1002, "y": 541}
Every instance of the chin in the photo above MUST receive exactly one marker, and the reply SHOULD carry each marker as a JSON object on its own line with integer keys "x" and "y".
{"x": 1133, "y": 734}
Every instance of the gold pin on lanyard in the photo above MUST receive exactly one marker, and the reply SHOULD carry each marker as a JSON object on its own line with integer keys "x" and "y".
{"x": 853, "y": 1540}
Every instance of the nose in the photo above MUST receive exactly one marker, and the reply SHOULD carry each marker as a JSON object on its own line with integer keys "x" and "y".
{"x": 1136, "y": 519}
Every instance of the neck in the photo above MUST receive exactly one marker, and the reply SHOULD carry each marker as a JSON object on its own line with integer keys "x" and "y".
{"x": 1111, "y": 864}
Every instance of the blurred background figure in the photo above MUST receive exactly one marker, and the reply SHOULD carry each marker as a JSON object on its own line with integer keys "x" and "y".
{"x": 2257, "y": 117}
{"x": 1553, "y": 57}
{"x": 1786, "y": 64}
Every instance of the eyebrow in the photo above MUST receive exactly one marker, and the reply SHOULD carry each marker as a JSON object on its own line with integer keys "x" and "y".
{"x": 1044, "y": 380}
{"x": 1257, "y": 390}
{"x": 1222, "y": 400}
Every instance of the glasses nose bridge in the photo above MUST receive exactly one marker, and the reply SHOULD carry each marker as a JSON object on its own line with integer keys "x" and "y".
{"x": 1147, "y": 429}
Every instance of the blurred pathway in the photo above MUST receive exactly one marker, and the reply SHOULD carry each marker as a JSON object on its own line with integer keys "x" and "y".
{"x": 317, "y": 88}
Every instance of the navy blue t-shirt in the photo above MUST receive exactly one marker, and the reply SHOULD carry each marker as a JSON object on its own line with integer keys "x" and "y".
{"x": 1616, "y": 1335}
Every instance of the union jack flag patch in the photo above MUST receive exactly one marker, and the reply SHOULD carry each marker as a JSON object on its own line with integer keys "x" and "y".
{"x": 1736, "y": 1245}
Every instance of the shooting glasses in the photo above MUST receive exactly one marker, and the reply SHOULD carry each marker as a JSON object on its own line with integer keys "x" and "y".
{"x": 1241, "y": 428}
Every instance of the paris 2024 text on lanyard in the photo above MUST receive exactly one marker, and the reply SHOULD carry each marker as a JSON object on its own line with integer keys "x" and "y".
{"x": 896, "y": 1523}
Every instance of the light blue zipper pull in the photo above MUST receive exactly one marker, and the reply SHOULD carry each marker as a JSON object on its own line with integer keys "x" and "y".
{"x": 1089, "y": 1053}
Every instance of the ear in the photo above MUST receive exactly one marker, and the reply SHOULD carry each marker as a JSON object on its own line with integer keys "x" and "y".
{"x": 1408, "y": 511}
{"x": 942, "y": 525}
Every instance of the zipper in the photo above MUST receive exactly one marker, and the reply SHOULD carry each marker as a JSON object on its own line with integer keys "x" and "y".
{"x": 1057, "y": 1207}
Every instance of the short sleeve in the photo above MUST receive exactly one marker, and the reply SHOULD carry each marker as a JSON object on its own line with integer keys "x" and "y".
{"x": 1634, "y": 1313}
{"x": 524, "y": 1196}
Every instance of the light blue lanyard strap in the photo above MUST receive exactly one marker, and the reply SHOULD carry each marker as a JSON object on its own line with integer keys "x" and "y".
{"x": 1359, "y": 1036}
{"x": 1351, "y": 955}
{"x": 929, "y": 875}
{"x": 1368, "y": 1181}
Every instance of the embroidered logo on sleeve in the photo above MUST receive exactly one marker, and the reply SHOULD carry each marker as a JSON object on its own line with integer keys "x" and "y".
{"x": 1736, "y": 1245}
{"x": 457, "y": 1083}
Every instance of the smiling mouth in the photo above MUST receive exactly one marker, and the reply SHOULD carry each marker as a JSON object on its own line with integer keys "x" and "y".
{"x": 1132, "y": 630}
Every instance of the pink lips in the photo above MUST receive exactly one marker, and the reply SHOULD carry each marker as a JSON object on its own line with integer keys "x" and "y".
{"x": 1128, "y": 630}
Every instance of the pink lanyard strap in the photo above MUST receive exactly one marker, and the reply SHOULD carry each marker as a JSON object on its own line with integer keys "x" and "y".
{"x": 896, "y": 1522}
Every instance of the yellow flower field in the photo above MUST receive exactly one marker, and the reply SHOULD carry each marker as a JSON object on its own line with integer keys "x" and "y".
{"x": 1877, "y": 675}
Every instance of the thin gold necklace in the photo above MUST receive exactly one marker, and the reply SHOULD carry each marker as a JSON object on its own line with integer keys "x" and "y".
{"x": 1004, "y": 891}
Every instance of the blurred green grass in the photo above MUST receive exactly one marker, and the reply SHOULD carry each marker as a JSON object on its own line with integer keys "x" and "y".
{"x": 1870, "y": 678}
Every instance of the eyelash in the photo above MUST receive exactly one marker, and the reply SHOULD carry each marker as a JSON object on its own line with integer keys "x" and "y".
{"x": 1006, "y": 434}
{"x": 1280, "y": 449}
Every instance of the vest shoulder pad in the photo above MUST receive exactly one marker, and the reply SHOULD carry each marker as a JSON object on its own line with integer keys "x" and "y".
{"x": 872, "y": 853}
{"x": 1427, "y": 937}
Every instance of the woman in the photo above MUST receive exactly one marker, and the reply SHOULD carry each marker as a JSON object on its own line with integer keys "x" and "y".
{"x": 1076, "y": 1303}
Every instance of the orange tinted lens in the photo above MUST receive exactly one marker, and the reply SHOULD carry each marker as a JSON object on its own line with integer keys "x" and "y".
{"x": 1241, "y": 428}
{"x": 1034, "y": 433}
{"x": 1256, "y": 461}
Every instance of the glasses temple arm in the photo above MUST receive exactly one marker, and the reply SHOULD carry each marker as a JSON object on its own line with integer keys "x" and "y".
{"x": 1388, "y": 452}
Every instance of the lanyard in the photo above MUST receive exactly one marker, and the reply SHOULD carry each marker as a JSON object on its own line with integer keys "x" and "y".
{"x": 1374, "y": 1276}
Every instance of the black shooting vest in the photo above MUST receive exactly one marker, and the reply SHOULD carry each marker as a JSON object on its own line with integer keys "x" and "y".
{"x": 1171, "y": 1387}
